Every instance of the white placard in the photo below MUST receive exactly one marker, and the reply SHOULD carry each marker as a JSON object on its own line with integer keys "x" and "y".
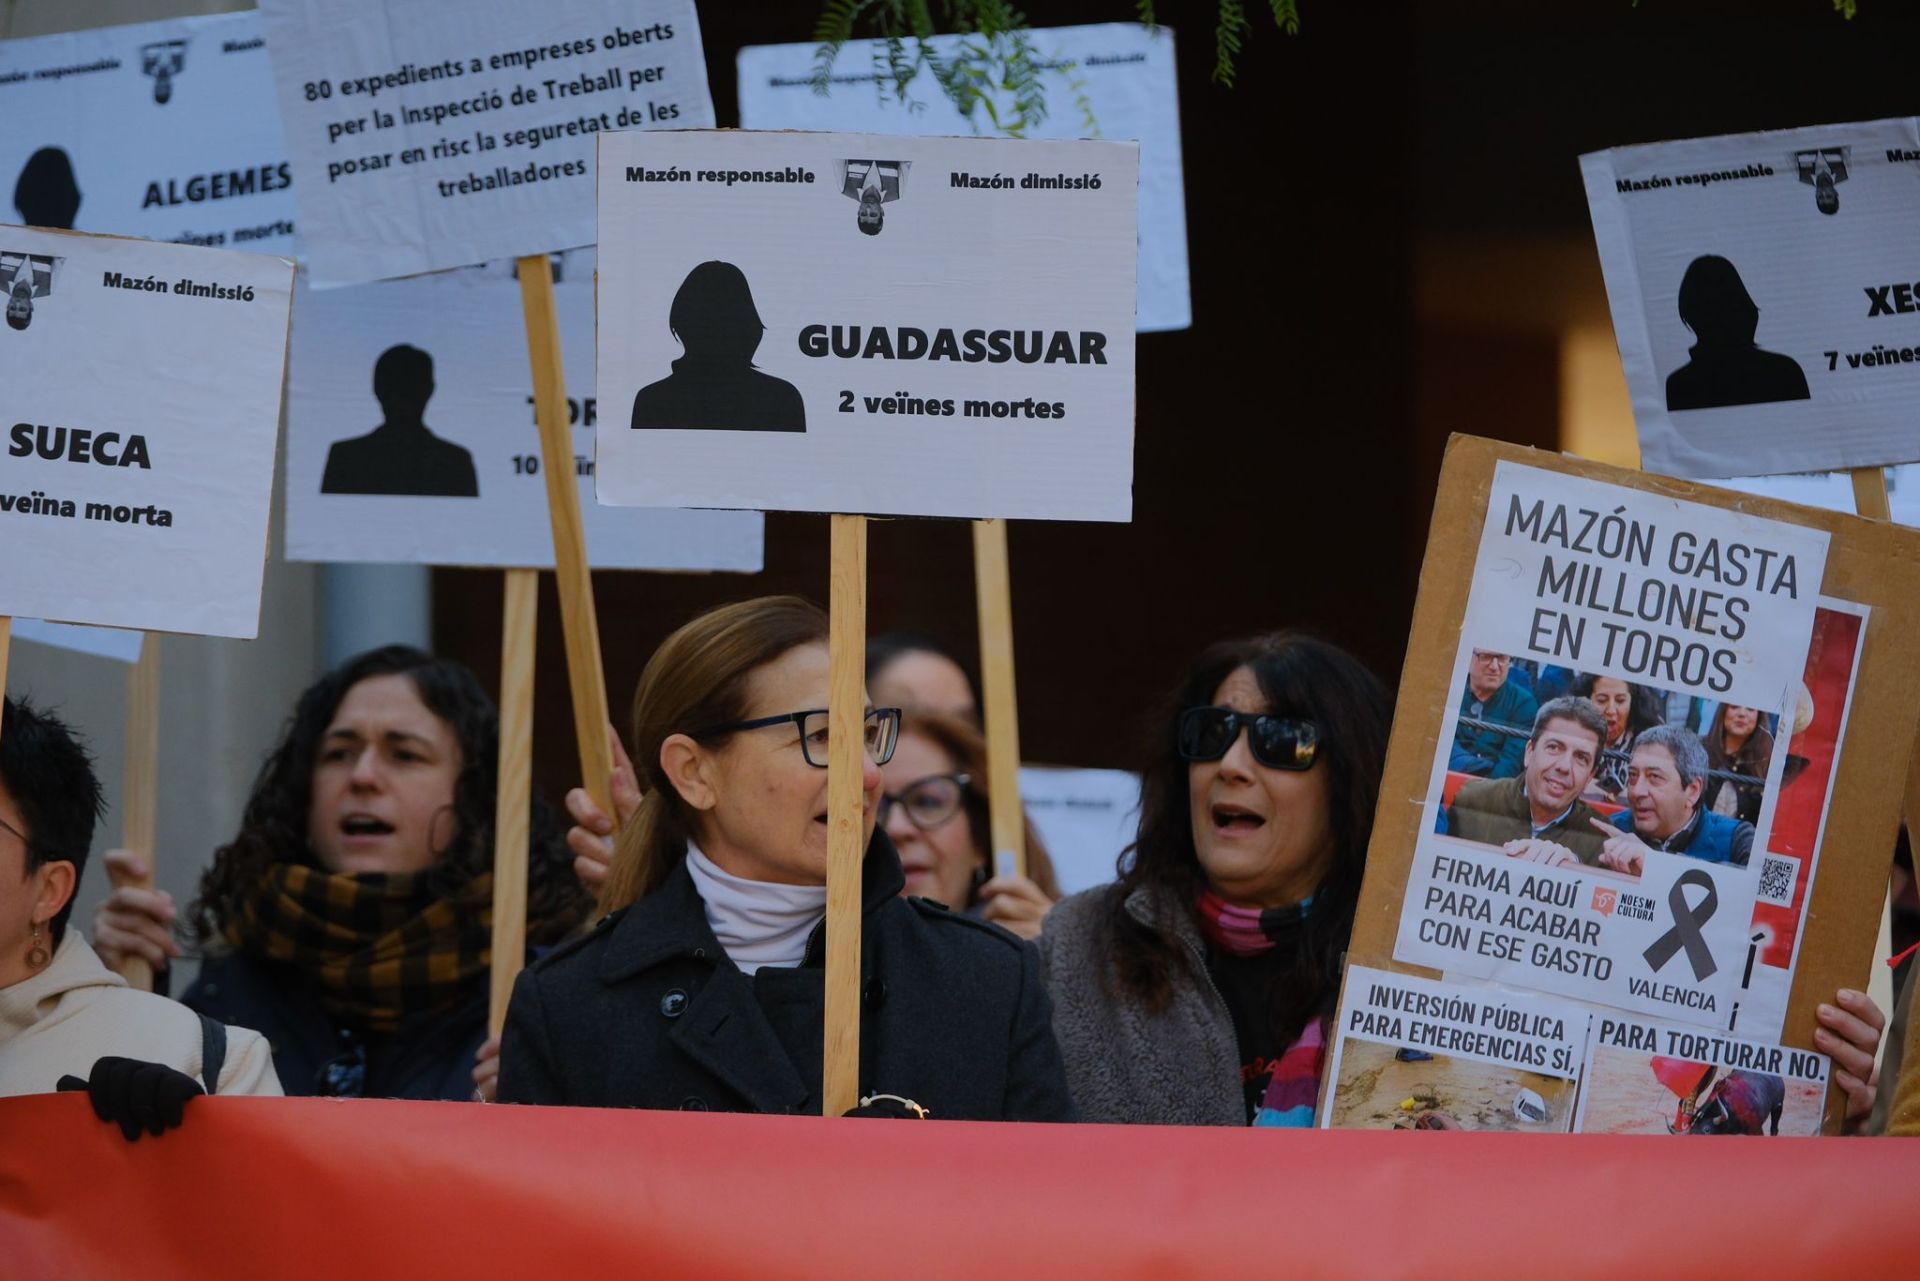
{"x": 101, "y": 642}
{"x": 1584, "y": 578}
{"x": 167, "y": 130}
{"x": 429, "y": 134}
{"x": 143, "y": 386}
{"x": 1112, "y": 80}
{"x": 887, "y": 325}
{"x": 1644, "y": 1077}
{"x": 448, "y": 470}
{"x": 1085, "y": 817}
{"x": 1765, "y": 296}
{"x": 1487, "y": 1058}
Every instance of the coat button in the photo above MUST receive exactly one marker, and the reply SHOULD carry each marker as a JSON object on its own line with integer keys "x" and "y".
{"x": 693, "y": 1105}
{"x": 674, "y": 1004}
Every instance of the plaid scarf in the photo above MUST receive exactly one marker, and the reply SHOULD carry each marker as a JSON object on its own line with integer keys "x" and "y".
{"x": 383, "y": 949}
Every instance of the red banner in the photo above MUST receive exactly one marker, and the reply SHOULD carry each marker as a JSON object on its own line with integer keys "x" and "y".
{"x": 354, "y": 1190}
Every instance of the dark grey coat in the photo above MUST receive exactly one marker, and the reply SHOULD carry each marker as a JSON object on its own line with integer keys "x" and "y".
{"x": 1125, "y": 1064}
{"x": 647, "y": 1011}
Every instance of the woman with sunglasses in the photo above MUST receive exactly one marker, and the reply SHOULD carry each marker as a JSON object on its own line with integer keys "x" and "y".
{"x": 935, "y": 810}
{"x": 703, "y": 989}
{"x": 1197, "y": 989}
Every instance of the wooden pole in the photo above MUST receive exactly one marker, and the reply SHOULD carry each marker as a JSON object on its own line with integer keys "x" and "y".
{"x": 513, "y": 796}
{"x": 581, "y": 629}
{"x": 993, "y": 590}
{"x": 846, "y": 746}
{"x": 140, "y": 802}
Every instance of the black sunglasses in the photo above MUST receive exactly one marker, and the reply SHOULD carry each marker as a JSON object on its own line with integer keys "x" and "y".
{"x": 880, "y": 732}
{"x": 1278, "y": 742}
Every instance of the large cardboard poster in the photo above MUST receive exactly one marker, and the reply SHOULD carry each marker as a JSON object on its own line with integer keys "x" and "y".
{"x": 1764, "y": 296}
{"x": 167, "y": 130}
{"x": 430, "y": 134}
{"x": 867, "y": 324}
{"x": 143, "y": 390}
{"x": 1632, "y": 766}
{"x": 1111, "y": 80}
{"x": 411, "y": 435}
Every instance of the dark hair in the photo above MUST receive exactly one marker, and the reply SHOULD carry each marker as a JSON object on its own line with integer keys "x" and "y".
{"x": 698, "y": 677}
{"x": 1579, "y": 709}
{"x": 962, "y": 740}
{"x": 883, "y": 649}
{"x": 50, "y": 777}
{"x": 1715, "y": 304}
{"x": 45, "y": 193}
{"x": 1645, "y": 707}
{"x": 403, "y": 376}
{"x": 23, "y": 293}
{"x": 1689, "y": 754}
{"x": 274, "y": 827}
{"x": 1300, "y": 677}
{"x": 713, "y": 313}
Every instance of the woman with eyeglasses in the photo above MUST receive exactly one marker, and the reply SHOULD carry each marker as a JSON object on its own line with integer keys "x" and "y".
{"x": 349, "y": 919}
{"x": 1197, "y": 989}
{"x": 703, "y": 989}
{"x": 935, "y": 810}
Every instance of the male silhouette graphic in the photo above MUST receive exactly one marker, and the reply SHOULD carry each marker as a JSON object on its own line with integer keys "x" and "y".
{"x": 401, "y": 456}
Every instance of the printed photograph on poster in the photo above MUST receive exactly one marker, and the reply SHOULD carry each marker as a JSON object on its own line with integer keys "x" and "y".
{"x": 167, "y": 130}
{"x": 1643, "y": 1077}
{"x": 430, "y": 134}
{"x": 1606, "y": 763}
{"x": 1414, "y": 1054}
{"x": 1109, "y": 80}
{"x": 137, "y": 488}
{"x": 1757, "y": 285}
{"x": 761, "y": 347}
{"x": 411, "y": 435}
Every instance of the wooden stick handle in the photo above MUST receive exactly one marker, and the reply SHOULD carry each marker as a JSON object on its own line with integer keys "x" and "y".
{"x": 140, "y": 803}
{"x": 1870, "y": 492}
{"x": 994, "y": 592}
{"x": 513, "y": 799}
{"x": 846, "y": 746}
{"x": 579, "y": 625}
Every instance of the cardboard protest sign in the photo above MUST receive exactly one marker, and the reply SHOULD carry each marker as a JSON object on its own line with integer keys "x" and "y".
{"x": 144, "y": 388}
{"x": 410, "y": 434}
{"x": 1111, "y": 80}
{"x": 1085, "y": 817}
{"x": 1763, "y": 295}
{"x": 1584, "y": 865}
{"x": 1643, "y": 1077}
{"x": 167, "y": 130}
{"x": 865, "y": 324}
{"x": 1484, "y": 1058}
{"x": 436, "y": 135}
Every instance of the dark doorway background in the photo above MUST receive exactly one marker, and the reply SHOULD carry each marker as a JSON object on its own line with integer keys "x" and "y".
{"x": 1287, "y": 444}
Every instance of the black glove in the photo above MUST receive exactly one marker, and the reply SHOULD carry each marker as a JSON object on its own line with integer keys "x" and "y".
{"x": 888, "y": 1106}
{"x": 135, "y": 1094}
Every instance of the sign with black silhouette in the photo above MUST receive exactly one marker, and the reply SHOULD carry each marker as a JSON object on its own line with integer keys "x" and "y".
{"x": 410, "y": 433}
{"x": 1765, "y": 297}
{"x": 429, "y": 134}
{"x": 135, "y": 489}
{"x": 1650, "y": 747}
{"x": 1112, "y": 80}
{"x": 167, "y": 130}
{"x": 757, "y": 351}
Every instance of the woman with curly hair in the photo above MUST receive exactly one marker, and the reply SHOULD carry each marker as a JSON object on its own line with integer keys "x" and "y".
{"x": 350, "y": 919}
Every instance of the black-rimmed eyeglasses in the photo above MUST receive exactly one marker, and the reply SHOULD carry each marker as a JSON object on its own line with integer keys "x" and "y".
{"x": 1278, "y": 742}
{"x": 881, "y": 730}
{"x": 927, "y": 802}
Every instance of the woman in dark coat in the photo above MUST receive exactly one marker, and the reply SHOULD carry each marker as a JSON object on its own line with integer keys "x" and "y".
{"x": 703, "y": 990}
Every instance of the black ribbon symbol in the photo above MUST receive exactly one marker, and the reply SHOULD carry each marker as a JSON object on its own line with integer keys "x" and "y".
{"x": 1686, "y": 926}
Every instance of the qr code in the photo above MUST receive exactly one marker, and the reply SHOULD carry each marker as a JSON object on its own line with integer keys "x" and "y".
{"x": 1778, "y": 876}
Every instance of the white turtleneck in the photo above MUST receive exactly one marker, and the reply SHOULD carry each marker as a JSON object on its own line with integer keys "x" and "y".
{"x": 757, "y": 922}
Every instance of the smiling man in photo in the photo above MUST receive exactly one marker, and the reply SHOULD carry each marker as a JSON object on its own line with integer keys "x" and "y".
{"x": 1538, "y": 813}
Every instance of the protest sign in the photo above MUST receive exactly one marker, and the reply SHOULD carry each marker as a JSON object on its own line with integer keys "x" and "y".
{"x": 1763, "y": 295}
{"x": 1111, "y": 80}
{"x": 101, "y": 642}
{"x": 435, "y": 135}
{"x": 1085, "y": 817}
{"x": 410, "y": 435}
{"x": 1482, "y": 1058}
{"x": 857, "y": 323}
{"x": 1643, "y": 1077}
{"x": 144, "y": 391}
{"x": 166, "y": 130}
{"x": 1735, "y": 899}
